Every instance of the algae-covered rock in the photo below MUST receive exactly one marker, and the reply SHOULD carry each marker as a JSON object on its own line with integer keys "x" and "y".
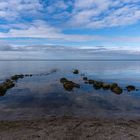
{"x": 117, "y": 90}
{"x": 68, "y": 86}
{"x": 113, "y": 85}
{"x": 106, "y": 86}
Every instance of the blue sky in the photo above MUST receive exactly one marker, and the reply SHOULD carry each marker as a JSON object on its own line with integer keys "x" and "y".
{"x": 45, "y": 29}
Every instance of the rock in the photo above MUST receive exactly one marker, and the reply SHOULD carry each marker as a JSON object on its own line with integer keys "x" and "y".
{"x": 90, "y": 81}
{"x": 106, "y": 86}
{"x": 68, "y": 86}
{"x": 16, "y": 77}
{"x": 9, "y": 84}
{"x": 130, "y": 88}
{"x": 85, "y": 78}
{"x": 117, "y": 90}
{"x": 113, "y": 85}
{"x": 3, "y": 90}
{"x": 98, "y": 84}
{"x": 76, "y": 71}
{"x": 62, "y": 80}
{"x": 5, "y": 86}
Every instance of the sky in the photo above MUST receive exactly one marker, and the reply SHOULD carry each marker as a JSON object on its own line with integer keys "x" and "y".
{"x": 59, "y": 29}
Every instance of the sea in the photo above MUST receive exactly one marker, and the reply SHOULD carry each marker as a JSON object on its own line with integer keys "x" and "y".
{"x": 43, "y": 96}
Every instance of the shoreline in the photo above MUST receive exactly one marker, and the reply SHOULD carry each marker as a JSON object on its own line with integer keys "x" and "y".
{"x": 70, "y": 128}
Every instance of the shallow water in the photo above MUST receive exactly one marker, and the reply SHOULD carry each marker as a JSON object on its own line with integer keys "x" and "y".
{"x": 42, "y": 95}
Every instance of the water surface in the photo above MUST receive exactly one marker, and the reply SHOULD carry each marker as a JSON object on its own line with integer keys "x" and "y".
{"x": 42, "y": 95}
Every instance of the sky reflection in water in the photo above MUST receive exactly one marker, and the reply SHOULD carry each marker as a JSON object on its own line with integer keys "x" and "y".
{"x": 44, "y": 96}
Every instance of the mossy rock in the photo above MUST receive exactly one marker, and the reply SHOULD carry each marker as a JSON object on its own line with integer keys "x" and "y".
{"x": 106, "y": 86}
{"x": 76, "y": 71}
{"x": 131, "y": 88}
{"x": 117, "y": 90}
{"x": 68, "y": 86}
{"x": 113, "y": 85}
{"x": 3, "y": 90}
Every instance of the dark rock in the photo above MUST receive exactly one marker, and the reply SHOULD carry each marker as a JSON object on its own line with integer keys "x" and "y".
{"x": 90, "y": 81}
{"x": 5, "y": 86}
{"x": 63, "y": 80}
{"x": 106, "y": 86}
{"x": 130, "y": 88}
{"x": 117, "y": 90}
{"x": 75, "y": 71}
{"x": 68, "y": 86}
{"x": 16, "y": 77}
{"x": 3, "y": 90}
{"x": 98, "y": 84}
{"x": 113, "y": 85}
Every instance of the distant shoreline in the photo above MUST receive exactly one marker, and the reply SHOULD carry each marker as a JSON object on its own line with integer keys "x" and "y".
{"x": 70, "y": 60}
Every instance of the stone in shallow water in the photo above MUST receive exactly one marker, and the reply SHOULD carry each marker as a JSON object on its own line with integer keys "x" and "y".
{"x": 69, "y": 85}
{"x": 117, "y": 90}
{"x": 62, "y": 80}
{"x": 98, "y": 84}
{"x": 106, "y": 86}
{"x": 76, "y": 71}
{"x": 130, "y": 88}
{"x": 90, "y": 81}
{"x": 8, "y": 84}
{"x": 113, "y": 85}
{"x": 16, "y": 77}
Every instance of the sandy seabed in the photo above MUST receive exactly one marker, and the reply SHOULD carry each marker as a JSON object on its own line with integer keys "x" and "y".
{"x": 69, "y": 128}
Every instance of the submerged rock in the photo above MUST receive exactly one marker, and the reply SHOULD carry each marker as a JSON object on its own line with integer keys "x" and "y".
{"x": 130, "y": 88}
{"x": 117, "y": 90}
{"x": 90, "y": 81}
{"x": 76, "y": 71}
{"x": 85, "y": 78}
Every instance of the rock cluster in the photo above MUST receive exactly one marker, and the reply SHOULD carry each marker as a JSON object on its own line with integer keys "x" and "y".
{"x": 10, "y": 83}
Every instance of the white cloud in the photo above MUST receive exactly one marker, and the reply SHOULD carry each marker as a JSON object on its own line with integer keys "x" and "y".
{"x": 12, "y": 9}
{"x": 105, "y": 13}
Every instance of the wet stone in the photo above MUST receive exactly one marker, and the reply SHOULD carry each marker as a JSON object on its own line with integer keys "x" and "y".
{"x": 76, "y": 71}
{"x": 131, "y": 88}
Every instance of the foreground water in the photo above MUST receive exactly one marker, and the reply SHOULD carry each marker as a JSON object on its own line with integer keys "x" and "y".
{"x": 42, "y": 95}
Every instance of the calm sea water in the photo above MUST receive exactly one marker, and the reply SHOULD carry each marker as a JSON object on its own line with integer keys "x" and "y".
{"x": 43, "y": 95}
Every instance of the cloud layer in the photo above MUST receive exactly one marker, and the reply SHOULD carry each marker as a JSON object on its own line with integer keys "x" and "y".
{"x": 54, "y": 20}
